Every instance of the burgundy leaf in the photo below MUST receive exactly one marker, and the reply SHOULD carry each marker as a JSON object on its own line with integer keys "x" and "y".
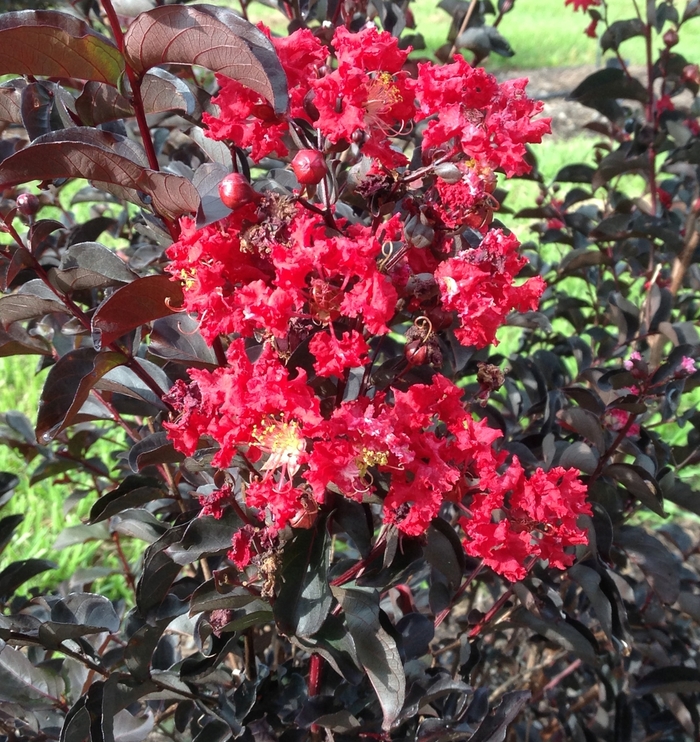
{"x": 32, "y": 300}
{"x": 131, "y": 306}
{"x": 104, "y": 158}
{"x": 212, "y": 37}
{"x": 67, "y": 387}
{"x": 89, "y": 265}
{"x": 162, "y": 92}
{"x": 11, "y": 101}
{"x": 37, "y": 102}
{"x": 16, "y": 341}
{"x": 100, "y": 102}
{"x": 54, "y": 44}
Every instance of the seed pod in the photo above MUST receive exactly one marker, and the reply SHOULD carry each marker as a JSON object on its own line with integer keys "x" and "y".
{"x": 309, "y": 165}
{"x": 27, "y": 204}
{"x": 235, "y": 191}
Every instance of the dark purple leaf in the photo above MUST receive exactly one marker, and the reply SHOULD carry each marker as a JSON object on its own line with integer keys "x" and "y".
{"x": 216, "y": 38}
{"x": 33, "y": 299}
{"x": 23, "y": 683}
{"x": 125, "y": 381}
{"x": 17, "y": 573}
{"x": 177, "y": 338}
{"x": 577, "y": 173}
{"x": 154, "y": 449}
{"x": 585, "y": 423}
{"x": 159, "y": 572}
{"x": 660, "y": 567}
{"x": 620, "y": 31}
{"x": 8, "y": 526}
{"x": 163, "y": 92}
{"x": 560, "y": 631}
{"x": 67, "y": 386}
{"x": 495, "y": 725}
{"x": 444, "y": 552}
{"x": 607, "y": 83}
{"x": 11, "y": 101}
{"x": 37, "y": 102}
{"x": 99, "y": 103}
{"x": 131, "y": 493}
{"x": 639, "y": 483}
{"x": 676, "y": 679}
{"x": 204, "y": 536}
{"x": 335, "y": 644}
{"x": 53, "y": 44}
{"x": 617, "y": 163}
{"x": 304, "y": 598}
{"x": 417, "y": 631}
{"x": 16, "y": 341}
{"x": 107, "y": 159}
{"x": 206, "y": 180}
{"x": 136, "y": 304}
{"x": 579, "y": 455}
{"x": 8, "y": 482}
{"x": 376, "y": 649}
{"x": 89, "y": 265}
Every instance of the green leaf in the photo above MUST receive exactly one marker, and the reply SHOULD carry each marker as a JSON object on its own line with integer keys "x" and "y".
{"x": 376, "y": 650}
{"x": 52, "y": 44}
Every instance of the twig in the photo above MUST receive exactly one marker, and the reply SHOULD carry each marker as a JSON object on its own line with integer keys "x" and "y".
{"x": 463, "y": 27}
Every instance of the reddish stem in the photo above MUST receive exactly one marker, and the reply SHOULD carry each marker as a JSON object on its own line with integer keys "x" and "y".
{"x": 315, "y": 670}
{"x": 137, "y": 103}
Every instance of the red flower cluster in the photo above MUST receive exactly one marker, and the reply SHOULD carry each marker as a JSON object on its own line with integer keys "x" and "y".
{"x": 301, "y": 288}
{"x": 519, "y": 519}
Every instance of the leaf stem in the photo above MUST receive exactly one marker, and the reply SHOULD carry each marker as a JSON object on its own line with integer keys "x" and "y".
{"x": 137, "y": 103}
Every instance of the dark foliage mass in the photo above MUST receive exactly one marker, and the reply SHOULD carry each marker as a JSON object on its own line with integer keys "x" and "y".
{"x": 347, "y": 628}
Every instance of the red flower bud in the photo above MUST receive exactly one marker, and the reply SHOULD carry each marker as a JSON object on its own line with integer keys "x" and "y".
{"x": 309, "y": 165}
{"x": 27, "y": 204}
{"x": 416, "y": 352}
{"x": 235, "y": 191}
{"x": 670, "y": 38}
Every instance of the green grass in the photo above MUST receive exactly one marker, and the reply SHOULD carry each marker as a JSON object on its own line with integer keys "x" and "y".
{"x": 49, "y": 507}
{"x": 543, "y": 33}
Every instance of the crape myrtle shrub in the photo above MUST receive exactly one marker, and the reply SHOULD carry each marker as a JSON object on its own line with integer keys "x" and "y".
{"x": 360, "y": 518}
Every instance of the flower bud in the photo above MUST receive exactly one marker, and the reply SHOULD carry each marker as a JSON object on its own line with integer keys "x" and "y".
{"x": 309, "y": 165}
{"x": 416, "y": 352}
{"x": 27, "y": 204}
{"x": 235, "y": 191}
{"x": 449, "y": 173}
{"x": 671, "y": 37}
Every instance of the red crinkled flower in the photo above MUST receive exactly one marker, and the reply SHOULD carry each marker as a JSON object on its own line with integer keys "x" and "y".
{"x": 468, "y": 202}
{"x": 335, "y": 355}
{"x": 247, "y": 119}
{"x": 517, "y": 519}
{"x": 478, "y": 285}
{"x": 359, "y": 435}
{"x": 488, "y": 122}
{"x": 583, "y": 5}
{"x": 369, "y": 94}
{"x": 245, "y": 404}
